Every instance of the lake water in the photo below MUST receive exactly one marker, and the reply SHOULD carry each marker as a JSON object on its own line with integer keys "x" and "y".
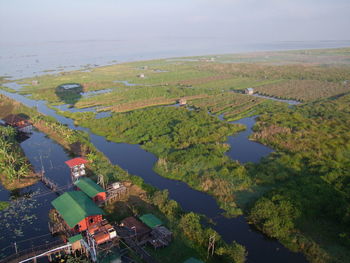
{"x": 20, "y": 60}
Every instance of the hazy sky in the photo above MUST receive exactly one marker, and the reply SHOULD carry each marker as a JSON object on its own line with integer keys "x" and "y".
{"x": 242, "y": 20}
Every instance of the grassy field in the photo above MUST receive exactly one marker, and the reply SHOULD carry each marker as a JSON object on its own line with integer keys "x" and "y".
{"x": 304, "y": 90}
{"x": 306, "y": 180}
{"x": 303, "y": 75}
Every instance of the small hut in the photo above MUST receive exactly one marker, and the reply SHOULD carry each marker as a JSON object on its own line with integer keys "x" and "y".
{"x": 140, "y": 229}
{"x": 91, "y": 189}
{"x": 35, "y": 82}
{"x": 151, "y": 220}
{"x": 249, "y": 91}
{"x": 160, "y": 236}
{"x": 182, "y": 101}
{"x": 18, "y": 122}
{"x": 77, "y": 167}
{"x": 76, "y": 242}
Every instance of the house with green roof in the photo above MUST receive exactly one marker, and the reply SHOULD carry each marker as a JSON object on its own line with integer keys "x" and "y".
{"x": 91, "y": 189}
{"x": 151, "y": 220}
{"x": 77, "y": 210}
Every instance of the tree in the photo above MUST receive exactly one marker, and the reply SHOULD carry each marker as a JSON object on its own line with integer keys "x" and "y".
{"x": 191, "y": 227}
{"x": 74, "y": 259}
{"x": 274, "y": 216}
{"x": 234, "y": 251}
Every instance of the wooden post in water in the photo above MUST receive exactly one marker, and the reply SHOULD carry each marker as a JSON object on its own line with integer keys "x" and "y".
{"x": 211, "y": 245}
{"x": 16, "y": 248}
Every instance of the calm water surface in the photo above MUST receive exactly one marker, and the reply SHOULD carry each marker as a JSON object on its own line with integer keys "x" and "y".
{"x": 20, "y": 60}
{"x": 29, "y": 218}
{"x": 244, "y": 150}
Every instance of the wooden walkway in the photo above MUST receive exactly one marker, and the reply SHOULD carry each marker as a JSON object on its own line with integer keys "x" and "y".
{"x": 32, "y": 254}
{"x": 49, "y": 184}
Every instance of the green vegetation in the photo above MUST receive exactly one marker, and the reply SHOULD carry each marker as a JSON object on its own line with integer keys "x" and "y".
{"x": 187, "y": 227}
{"x": 309, "y": 210}
{"x": 189, "y": 144}
{"x": 13, "y": 164}
{"x": 4, "y": 205}
{"x": 299, "y": 195}
{"x": 233, "y": 105}
{"x": 304, "y": 90}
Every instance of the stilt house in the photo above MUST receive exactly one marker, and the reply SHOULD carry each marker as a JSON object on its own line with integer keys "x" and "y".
{"x": 182, "y": 101}
{"x": 151, "y": 220}
{"x": 140, "y": 230}
{"x": 249, "y": 91}
{"x": 91, "y": 189}
{"x": 77, "y": 210}
{"x": 160, "y": 236}
{"x": 77, "y": 167}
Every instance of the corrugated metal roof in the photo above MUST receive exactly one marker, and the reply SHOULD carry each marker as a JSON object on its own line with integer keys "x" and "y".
{"x": 89, "y": 187}
{"x": 193, "y": 260}
{"x": 151, "y": 220}
{"x": 76, "y": 161}
{"x": 131, "y": 222}
{"x": 75, "y": 206}
{"x": 75, "y": 238}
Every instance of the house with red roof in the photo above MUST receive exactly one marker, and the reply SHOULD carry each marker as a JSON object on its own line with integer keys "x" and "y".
{"x": 77, "y": 167}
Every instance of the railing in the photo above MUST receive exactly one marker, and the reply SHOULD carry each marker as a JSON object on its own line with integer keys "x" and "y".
{"x": 30, "y": 252}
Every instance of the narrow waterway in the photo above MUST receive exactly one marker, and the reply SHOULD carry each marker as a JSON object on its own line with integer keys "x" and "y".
{"x": 290, "y": 102}
{"x": 26, "y": 222}
{"x": 140, "y": 162}
{"x": 249, "y": 151}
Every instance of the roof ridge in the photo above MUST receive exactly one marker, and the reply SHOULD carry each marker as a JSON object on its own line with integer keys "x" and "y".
{"x": 83, "y": 209}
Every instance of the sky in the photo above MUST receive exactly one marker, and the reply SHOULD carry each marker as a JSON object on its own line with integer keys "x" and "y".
{"x": 241, "y": 20}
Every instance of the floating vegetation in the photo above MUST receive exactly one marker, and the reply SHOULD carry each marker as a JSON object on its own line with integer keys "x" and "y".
{"x": 18, "y": 215}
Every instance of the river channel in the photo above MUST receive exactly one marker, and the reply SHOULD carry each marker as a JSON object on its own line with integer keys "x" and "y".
{"x": 139, "y": 162}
